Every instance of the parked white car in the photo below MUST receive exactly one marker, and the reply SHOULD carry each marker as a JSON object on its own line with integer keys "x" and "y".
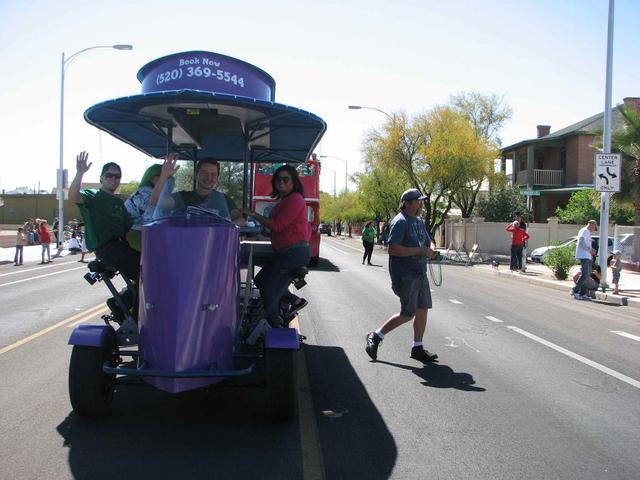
{"x": 538, "y": 254}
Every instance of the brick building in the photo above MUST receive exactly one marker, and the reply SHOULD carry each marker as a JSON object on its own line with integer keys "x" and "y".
{"x": 554, "y": 165}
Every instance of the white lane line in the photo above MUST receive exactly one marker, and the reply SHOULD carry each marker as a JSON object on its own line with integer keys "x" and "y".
{"x": 42, "y": 276}
{"x": 631, "y": 381}
{"x": 493, "y": 319}
{"x": 455, "y": 302}
{"x": 20, "y": 270}
{"x": 625, "y": 334}
{"x": 331, "y": 247}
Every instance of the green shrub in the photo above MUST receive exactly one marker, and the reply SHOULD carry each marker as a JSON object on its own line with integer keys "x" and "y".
{"x": 560, "y": 260}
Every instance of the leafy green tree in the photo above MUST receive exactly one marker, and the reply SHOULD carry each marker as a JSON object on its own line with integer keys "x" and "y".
{"x": 500, "y": 205}
{"x": 437, "y": 153}
{"x": 627, "y": 141}
{"x": 184, "y": 177}
{"x": 379, "y": 192}
{"x": 584, "y": 205}
{"x": 486, "y": 114}
{"x": 128, "y": 188}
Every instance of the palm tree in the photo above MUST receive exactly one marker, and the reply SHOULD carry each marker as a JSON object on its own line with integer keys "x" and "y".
{"x": 627, "y": 142}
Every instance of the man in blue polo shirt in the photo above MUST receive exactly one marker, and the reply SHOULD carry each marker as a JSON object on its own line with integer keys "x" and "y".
{"x": 409, "y": 248}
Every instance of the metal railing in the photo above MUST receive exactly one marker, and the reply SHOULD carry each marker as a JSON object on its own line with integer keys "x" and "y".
{"x": 541, "y": 177}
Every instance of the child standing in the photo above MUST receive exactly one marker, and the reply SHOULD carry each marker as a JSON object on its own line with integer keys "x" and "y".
{"x": 21, "y": 241}
{"x": 616, "y": 268}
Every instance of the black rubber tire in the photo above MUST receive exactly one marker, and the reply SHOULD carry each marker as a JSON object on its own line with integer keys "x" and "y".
{"x": 281, "y": 384}
{"x": 313, "y": 262}
{"x": 90, "y": 389}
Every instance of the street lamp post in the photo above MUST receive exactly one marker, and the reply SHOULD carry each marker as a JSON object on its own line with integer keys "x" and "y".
{"x": 63, "y": 64}
{"x": 346, "y": 170}
{"x": 360, "y": 107}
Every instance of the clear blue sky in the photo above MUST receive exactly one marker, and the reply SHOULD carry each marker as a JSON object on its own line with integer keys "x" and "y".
{"x": 547, "y": 57}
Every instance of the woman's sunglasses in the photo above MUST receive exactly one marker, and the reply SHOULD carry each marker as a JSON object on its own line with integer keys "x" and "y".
{"x": 283, "y": 179}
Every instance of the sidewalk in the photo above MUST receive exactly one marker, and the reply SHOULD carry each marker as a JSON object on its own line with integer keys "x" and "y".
{"x": 541, "y": 275}
{"x": 536, "y": 273}
{"x": 32, "y": 254}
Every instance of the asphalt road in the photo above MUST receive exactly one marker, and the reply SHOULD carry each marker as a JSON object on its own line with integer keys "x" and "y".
{"x": 530, "y": 384}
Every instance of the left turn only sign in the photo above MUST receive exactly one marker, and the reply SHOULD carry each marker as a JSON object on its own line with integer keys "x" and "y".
{"x": 607, "y": 174}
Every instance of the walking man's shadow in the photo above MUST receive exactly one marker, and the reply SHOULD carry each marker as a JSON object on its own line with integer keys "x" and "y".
{"x": 440, "y": 376}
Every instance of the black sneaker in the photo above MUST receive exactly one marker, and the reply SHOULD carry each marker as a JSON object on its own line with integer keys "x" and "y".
{"x": 423, "y": 355}
{"x": 373, "y": 340}
{"x": 295, "y": 307}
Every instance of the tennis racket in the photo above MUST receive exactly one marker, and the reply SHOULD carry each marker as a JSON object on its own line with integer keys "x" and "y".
{"x": 435, "y": 269}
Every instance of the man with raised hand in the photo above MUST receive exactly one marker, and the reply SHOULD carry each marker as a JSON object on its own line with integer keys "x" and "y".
{"x": 105, "y": 218}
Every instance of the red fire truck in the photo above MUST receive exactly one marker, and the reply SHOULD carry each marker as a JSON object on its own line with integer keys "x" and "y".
{"x": 309, "y": 172}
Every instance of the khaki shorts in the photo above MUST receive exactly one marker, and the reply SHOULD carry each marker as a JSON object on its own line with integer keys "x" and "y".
{"x": 414, "y": 293}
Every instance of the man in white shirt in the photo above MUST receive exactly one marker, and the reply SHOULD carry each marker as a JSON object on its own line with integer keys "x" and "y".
{"x": 584, "y": 253}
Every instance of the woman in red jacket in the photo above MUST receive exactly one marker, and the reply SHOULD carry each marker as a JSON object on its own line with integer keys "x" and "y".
{"x": 290, "y": 233}
{"x": 518, "y": 237}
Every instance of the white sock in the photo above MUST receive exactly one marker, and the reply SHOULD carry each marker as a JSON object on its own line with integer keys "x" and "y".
{"x": 379, "y": 333}
{"x": 417, "y": 344}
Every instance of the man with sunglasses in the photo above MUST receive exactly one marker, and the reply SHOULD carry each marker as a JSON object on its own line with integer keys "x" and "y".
{"x": 105, "y": 217}
{"x": 409, "y": 247}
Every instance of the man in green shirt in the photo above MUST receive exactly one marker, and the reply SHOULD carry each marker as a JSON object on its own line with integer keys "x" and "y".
{"x": 105, "y": 217}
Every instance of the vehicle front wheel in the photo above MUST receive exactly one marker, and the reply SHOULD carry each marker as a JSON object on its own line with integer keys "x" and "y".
{"x": 90, "y": 389}
{"x": 281, "y": 384}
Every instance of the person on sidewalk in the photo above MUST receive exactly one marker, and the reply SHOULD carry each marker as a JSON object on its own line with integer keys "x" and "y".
{"x": 21, "y": 241}
{"x": 56, "y": 231}
{"x": 584, "y": 253}
{"x": 616, "y": 268}
{"x": 368, "y": 240}
{"x": 409, "y": 247}
{"x": 45, "y": 240}
{"x": 518, "y": 237}
{"x": 518, "y": 218}
{"x": 593, "y": 281}
{"x": 105, "y": 218}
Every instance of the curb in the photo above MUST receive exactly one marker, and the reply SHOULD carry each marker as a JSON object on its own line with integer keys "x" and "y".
{"x": 608, "y": 298}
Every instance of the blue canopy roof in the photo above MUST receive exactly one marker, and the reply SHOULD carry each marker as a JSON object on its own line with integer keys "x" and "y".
{"x": 202, "y": 124}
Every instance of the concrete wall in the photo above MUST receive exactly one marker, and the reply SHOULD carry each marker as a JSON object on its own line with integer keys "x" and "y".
{"x": 17, "y": 208}
{"x": 491, "y": 237}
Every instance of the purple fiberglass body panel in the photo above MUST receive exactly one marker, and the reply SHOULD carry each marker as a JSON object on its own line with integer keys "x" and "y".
{"x": 283, "y": 338}
{"x": 188, "y": 299}
{"x": 88, "y": 335}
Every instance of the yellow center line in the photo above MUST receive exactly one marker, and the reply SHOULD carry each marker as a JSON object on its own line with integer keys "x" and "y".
{"x": 312, "y": 467}
{"x": 77, "y": 317}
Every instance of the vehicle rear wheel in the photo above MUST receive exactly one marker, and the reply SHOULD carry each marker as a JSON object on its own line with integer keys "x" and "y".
{"x": 281, "y": 384}
{"x": 90, "y": 389}
{"x": 313, "y": 262}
